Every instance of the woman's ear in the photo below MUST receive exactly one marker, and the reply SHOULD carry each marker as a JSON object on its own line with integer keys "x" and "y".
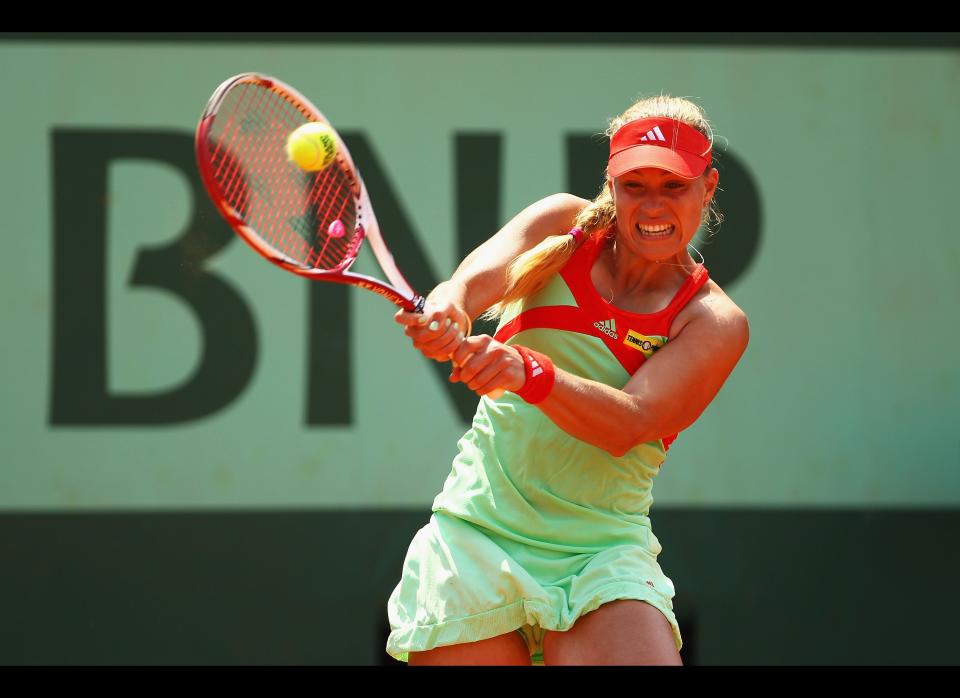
{"x": 713, "y": 177}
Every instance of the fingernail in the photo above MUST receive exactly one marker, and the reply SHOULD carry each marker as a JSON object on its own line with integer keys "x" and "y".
{"x": 434, "y": 326}
{"x": 422, "y": 319}
{"x": 448, "y": 322}
{"x": 456, "y": 325}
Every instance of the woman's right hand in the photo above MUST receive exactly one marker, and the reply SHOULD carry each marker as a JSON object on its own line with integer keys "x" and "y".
{"x": 439, "y": 330}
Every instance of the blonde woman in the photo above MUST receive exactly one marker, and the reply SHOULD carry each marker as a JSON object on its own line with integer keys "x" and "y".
{"x": 611, "y": 340}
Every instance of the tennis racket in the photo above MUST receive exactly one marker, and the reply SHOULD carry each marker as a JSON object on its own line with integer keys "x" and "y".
{"x": 309, "y": 223}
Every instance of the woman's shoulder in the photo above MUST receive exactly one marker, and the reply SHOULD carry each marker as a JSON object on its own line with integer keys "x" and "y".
{"x": 568, "y": 201}
{"x": 720, "y": 303}
{"x": 562, "y": 206}
{"x": 710, "y": 304}
{"x": 552, "y": 215}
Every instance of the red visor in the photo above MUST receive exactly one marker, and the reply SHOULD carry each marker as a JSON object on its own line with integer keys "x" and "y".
{"x": 658, "y": 142}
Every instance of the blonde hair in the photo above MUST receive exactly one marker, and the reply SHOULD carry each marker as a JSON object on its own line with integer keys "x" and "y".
{"x": 530, "y": 271}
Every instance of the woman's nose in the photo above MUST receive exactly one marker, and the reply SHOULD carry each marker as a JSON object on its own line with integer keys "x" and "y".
{"x": 652, "y": 202}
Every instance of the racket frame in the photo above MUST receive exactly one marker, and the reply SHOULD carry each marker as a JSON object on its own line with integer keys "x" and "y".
{"x": 398, "y": 291}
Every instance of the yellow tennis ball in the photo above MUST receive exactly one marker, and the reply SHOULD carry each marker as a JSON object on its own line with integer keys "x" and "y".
{"x": 312, "y": 146}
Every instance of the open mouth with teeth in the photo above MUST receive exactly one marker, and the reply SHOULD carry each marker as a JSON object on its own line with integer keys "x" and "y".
{"x": 655, "y": 232}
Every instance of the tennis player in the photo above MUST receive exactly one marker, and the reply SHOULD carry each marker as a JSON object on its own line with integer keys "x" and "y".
{"x": 611, "y": 340}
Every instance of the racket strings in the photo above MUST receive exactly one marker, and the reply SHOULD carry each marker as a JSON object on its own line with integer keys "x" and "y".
{"x": 289, "y": 209}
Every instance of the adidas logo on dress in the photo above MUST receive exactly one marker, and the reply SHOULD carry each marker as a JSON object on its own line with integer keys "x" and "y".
{"x": 608, "y": 327}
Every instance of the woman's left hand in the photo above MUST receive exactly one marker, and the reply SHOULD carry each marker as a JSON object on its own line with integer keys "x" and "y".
{"x": 491, "y": 365}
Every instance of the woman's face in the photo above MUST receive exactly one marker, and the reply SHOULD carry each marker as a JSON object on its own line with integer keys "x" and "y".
{"x": 658, "y": 212}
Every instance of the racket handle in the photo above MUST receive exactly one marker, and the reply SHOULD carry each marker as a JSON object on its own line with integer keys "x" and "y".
{"x": 493, "y": 394}
{"x": 418, "y": 308}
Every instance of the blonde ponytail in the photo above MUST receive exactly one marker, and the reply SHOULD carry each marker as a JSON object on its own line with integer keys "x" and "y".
{"x": 530, "y": 272}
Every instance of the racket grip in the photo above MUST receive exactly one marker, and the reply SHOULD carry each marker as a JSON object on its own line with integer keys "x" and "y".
{"x": 418, "y": 308}
{"x": 493, "y": 394}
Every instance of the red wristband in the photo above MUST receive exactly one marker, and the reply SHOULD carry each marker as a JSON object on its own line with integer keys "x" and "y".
{"x": 540, "y": 375}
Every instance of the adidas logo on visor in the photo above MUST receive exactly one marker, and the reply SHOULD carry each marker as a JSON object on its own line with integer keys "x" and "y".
{"x": 654, "y": 135}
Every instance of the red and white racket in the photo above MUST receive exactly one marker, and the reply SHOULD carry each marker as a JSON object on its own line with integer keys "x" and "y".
{"x": 311, "y": 223}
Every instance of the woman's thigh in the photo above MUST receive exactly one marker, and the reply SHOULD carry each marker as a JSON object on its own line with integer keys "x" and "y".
{"x": 620, "y": 632}
{"x": 509, "y": 649}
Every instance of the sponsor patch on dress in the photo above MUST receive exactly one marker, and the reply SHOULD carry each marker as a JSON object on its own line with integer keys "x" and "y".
{"x": 644, "y": 343}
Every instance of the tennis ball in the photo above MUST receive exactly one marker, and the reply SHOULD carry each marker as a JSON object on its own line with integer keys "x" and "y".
{"x": 312, "y": 146}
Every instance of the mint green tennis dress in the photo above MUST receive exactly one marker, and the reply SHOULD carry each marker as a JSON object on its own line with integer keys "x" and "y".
{"x": 534, "y": 528}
